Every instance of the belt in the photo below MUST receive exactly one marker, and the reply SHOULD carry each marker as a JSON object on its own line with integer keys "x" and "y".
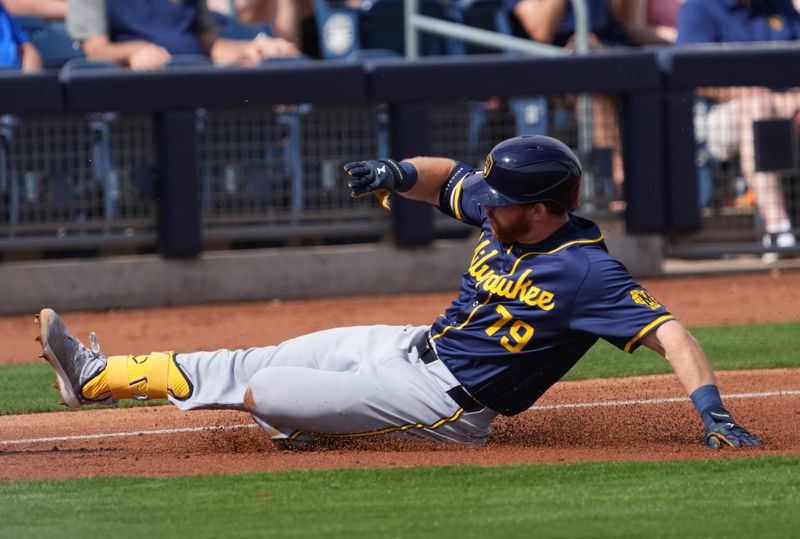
{"x": 460, "y": 396}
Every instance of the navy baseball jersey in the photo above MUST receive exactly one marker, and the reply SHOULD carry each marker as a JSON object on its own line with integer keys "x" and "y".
{"x": 525, "y": 314}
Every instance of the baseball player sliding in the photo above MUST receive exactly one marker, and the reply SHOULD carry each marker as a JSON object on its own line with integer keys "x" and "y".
{"x": 540, "y": 290}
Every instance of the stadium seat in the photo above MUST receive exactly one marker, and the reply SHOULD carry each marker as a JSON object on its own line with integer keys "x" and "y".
{"x": 290, "y": 154}
{"x": 376, "y": 25}
{"x": 287, "y": 118}
{"x": 50, "y": 39}
{"x": 19, "y": 191}
{"x": 104, "y": 175}
{"x": 530, "y": 113}
{"x": 484, "y": 14}
{"x": 287, "y": 157}
{"x": 374, "y": 31}
{"x": 9, "y": 187}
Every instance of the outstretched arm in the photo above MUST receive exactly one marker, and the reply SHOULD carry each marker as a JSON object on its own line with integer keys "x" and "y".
{"x": 432, "y": 173}
{"x": 417, "y": 178}
{"x": 684, "y": 354}
{"x": 695, "y": 373}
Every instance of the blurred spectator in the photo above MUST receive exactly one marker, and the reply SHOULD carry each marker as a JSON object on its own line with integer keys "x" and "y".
{"x": 553, "y": 22}
{"x": 46, "y": 9}
{"x": 726, "y": 21}
{"x": 649, "y": 22}
{"x": 292, "y": 20}
{"x": 124, "y": 32}
{"x": 16, "y": 51}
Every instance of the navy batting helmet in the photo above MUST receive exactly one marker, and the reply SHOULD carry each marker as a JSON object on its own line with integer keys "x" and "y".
{"x": 529, "y": 169}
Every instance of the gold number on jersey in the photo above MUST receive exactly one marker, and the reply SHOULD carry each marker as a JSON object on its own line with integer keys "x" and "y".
{"x": 505, "y": 318}
{"x": 521, "y": 332}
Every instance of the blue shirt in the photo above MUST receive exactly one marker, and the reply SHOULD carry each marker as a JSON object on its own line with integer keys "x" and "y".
{"x": 601, "y": 23}
{"x": 725, "y": 21}
{"x": 525, "y": 314}
{"x": 170, "y": 24}
{"x": 11, "y": 37}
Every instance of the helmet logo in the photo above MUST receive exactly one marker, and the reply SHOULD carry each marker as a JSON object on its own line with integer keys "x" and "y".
{"x": 487, "y": 167}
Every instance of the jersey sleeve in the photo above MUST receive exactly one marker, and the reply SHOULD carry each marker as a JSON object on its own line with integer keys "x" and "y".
{"x": 613, "y": 306}
{"x": 455, "y": 199}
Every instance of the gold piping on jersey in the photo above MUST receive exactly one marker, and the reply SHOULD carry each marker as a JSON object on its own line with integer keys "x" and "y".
{"x": 471, "y": 314}
{"x": 560, "y": 247}
{"x": 646, "y": 329}
{"x": 387, "y": 430}
{"x": 455, "y": 197}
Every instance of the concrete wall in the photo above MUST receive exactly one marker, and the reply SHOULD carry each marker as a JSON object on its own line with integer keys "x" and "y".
{"x": 151, "y": 281}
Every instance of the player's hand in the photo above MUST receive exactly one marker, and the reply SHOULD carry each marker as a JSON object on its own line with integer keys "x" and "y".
{"x": 723, "y": 431}
{"x": 379, "y": 178}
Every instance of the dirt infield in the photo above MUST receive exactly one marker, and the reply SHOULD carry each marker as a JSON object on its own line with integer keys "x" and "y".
{"x": 164, "y": 441}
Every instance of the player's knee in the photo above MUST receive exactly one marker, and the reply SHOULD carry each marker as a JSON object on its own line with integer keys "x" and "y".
{"x": 271, "y": 396}
{"x": 249, "y": 401}
{"x": 257, "y": 401}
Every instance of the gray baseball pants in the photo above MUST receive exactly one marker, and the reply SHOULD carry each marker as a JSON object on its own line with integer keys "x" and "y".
{"x": 339, "y": 383}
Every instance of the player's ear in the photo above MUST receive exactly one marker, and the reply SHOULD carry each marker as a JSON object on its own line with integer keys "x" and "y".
{"x": 537, "y": 211}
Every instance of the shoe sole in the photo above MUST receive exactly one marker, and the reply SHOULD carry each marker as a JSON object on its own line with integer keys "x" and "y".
{"x": 64, "y": 385}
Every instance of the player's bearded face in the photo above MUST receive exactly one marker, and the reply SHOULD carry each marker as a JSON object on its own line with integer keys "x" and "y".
{"x": 509, "y": 223}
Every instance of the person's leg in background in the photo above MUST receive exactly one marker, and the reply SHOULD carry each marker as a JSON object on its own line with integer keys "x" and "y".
{"x": 767, "y": 186}
{"x": 606, "y": 134}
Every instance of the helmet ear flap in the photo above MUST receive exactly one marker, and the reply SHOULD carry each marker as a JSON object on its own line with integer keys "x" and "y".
{"x": 574, "y": 198}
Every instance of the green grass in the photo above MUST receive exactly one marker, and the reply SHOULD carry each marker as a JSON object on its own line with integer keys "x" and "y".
{"x": 26, "y": 388}
{"x": 745, "y": 497}
{"x": 750, "y": 497}
{"x": 761, "y": 346}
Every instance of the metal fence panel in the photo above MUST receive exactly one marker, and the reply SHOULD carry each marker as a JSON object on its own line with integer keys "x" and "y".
{"x": 70, "y": 176}
{"x": 279, "y": 172}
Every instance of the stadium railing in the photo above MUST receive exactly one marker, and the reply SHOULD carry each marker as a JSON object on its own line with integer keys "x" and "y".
{"x": 197, "y": 150}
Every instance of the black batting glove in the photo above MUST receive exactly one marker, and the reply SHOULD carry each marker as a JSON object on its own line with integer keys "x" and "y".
{"x": 722, "y": 430}
{"x": 380, "y": 178}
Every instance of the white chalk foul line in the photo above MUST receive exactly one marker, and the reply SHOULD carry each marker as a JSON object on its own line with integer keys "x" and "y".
{"x": 125, "y": 434}
{"x": 666, "y": 400}
{"x": 537, "y": 407}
